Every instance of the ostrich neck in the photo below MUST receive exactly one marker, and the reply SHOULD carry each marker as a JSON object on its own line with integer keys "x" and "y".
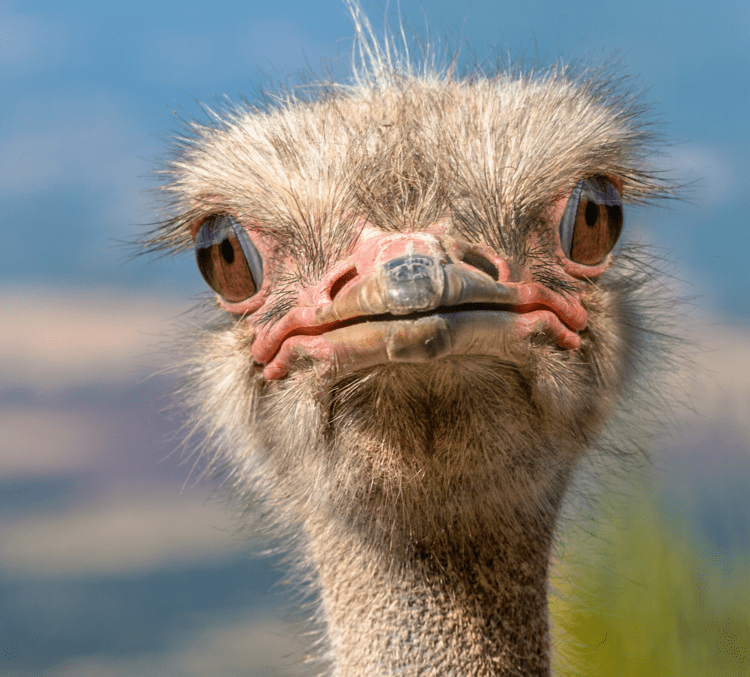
{"x": 430, "y": 514}
{"x": 469, "y": 604}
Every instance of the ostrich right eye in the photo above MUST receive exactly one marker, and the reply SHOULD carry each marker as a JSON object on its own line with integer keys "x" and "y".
{"x": 592, "y": 221}
{"x": 227, "y": 258}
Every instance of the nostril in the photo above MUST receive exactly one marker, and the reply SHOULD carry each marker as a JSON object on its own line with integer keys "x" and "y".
{"x": 481, "y": 263}
{"x": 339, "y": 284}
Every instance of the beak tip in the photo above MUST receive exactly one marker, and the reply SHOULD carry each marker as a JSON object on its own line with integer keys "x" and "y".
{"x": 411, "y": 283}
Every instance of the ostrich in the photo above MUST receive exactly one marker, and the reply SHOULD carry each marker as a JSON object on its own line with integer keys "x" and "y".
{"x": 424, "y": 323}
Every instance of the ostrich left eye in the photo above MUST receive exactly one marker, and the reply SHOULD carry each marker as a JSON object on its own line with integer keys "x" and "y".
{"x": 227, "y": 258}
{"x": 592, "y": 221}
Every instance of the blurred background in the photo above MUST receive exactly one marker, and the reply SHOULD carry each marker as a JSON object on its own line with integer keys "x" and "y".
{"x": 113, "y": 561}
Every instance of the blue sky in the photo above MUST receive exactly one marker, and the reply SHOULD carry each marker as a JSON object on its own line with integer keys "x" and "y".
{"x": 89, "y": 92}
{"x": 112, "y": 563}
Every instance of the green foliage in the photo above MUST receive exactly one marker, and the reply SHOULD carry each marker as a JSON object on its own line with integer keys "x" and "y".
{"x": 634, "y": 599}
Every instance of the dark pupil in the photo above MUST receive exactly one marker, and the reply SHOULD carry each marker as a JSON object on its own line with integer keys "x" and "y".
{"x": 591, "y": 214}
{"x": 227, "y": 250}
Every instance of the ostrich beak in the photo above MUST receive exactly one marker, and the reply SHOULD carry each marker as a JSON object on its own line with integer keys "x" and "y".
{"x": 417, "y": 307}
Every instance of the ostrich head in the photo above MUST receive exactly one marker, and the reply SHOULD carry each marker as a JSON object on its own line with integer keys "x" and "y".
{"x": 425, "y": 322}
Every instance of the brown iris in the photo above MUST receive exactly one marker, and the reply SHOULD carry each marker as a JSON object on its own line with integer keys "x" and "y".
{"x": 592, "y": 221}
{"x": 227, "y": 258}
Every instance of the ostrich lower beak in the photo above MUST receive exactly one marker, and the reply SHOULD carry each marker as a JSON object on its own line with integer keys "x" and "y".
{"x": 415, "y": 308}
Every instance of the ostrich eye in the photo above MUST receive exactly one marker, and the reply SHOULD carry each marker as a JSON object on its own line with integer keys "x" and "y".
{"x": 592, "y": 221}
{"x": 227, "y": 259}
